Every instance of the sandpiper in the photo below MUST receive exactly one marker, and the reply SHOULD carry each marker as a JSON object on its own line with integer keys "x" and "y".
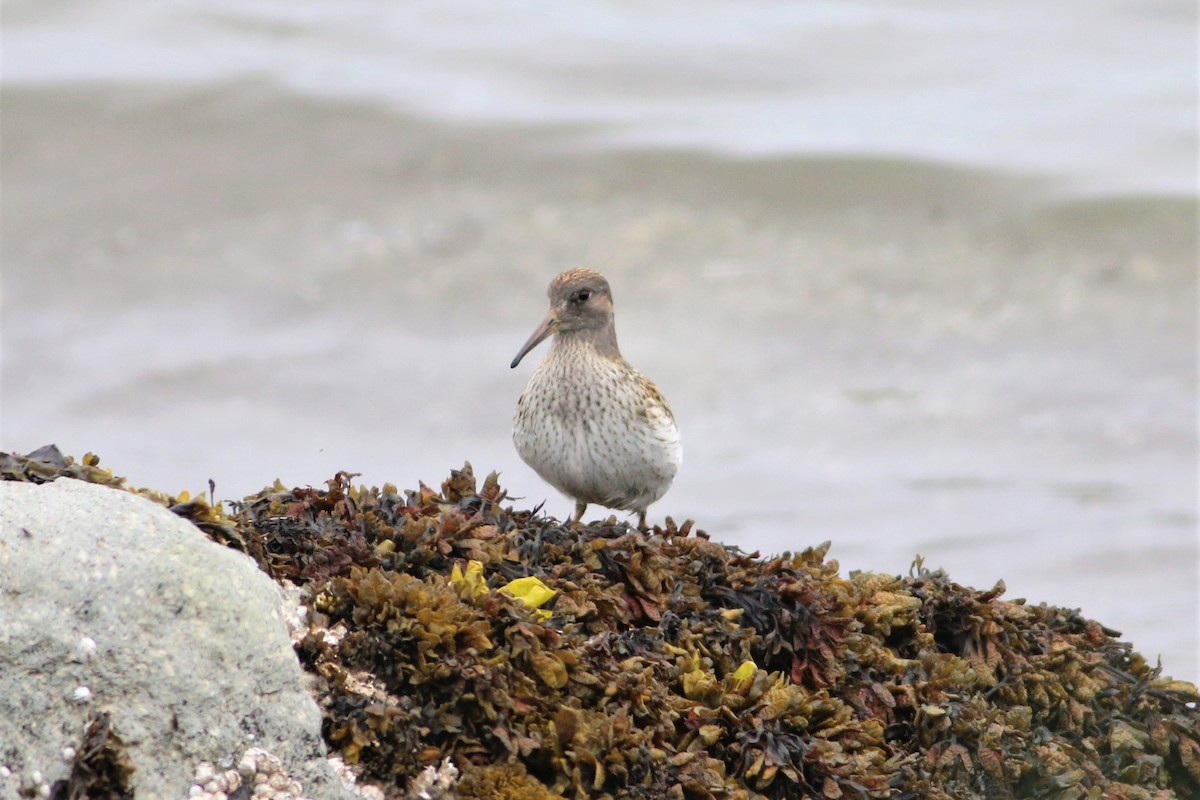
{"x": 588, "y": 422}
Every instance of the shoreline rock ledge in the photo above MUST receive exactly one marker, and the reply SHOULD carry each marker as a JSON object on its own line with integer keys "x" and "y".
{"x": 354, "y": 641}
{"x": 113, "y": 605}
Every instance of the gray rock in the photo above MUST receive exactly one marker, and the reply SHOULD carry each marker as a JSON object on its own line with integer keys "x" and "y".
{"x": 109, "y": 602}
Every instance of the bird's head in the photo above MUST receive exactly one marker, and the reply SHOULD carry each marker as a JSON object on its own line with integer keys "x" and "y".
{"x": 580, "y": 305}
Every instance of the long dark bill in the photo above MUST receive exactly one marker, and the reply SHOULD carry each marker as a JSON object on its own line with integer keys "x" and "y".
{"x": 549, "y": 326}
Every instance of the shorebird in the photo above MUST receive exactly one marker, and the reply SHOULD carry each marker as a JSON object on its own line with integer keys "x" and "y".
{"x": 588, "y": 422}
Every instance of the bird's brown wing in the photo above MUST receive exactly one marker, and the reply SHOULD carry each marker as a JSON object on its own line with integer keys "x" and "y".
{"x": 655, "y": 404}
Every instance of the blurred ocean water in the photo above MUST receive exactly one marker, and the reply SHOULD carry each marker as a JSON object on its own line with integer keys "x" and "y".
{"x": 1100, "y": 93}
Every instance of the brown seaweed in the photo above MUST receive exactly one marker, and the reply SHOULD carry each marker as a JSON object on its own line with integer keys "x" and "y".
{"x": 101, "y": 769}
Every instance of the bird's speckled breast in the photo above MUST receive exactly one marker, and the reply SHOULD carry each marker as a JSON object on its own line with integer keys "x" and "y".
{"x": 593, "y": 428}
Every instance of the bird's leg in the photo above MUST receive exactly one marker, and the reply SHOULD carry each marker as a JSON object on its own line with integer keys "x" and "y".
{"x": 642, "y": 522}
{"x": 579, "y": 509}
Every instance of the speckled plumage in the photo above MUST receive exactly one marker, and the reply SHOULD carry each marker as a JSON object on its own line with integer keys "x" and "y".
{"x": 588, "y": 423}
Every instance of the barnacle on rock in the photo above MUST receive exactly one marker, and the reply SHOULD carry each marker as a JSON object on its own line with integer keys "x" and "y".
{"x": 664, "y": 665}
{"x": 259, "y": 774}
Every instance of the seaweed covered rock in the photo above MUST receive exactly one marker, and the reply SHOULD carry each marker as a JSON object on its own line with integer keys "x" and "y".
{"x": 666, "y": 665}
{"x": 451, "y": 635}
{"x": 132, "y": 648}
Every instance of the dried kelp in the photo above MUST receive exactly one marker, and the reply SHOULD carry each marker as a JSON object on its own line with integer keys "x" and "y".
{"x": 596, "y": 661}
{"x": 48, "y": 464}
{"x": 100, "y": 769}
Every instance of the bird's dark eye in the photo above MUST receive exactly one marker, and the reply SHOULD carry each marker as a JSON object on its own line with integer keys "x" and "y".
{"x": 581, "y": 296}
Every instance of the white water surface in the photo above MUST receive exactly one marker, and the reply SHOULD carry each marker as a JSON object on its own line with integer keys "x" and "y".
{"x": 1102, "y": 93}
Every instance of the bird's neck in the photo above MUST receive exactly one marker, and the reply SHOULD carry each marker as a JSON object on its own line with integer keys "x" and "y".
{"x": 598, "y": 341}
